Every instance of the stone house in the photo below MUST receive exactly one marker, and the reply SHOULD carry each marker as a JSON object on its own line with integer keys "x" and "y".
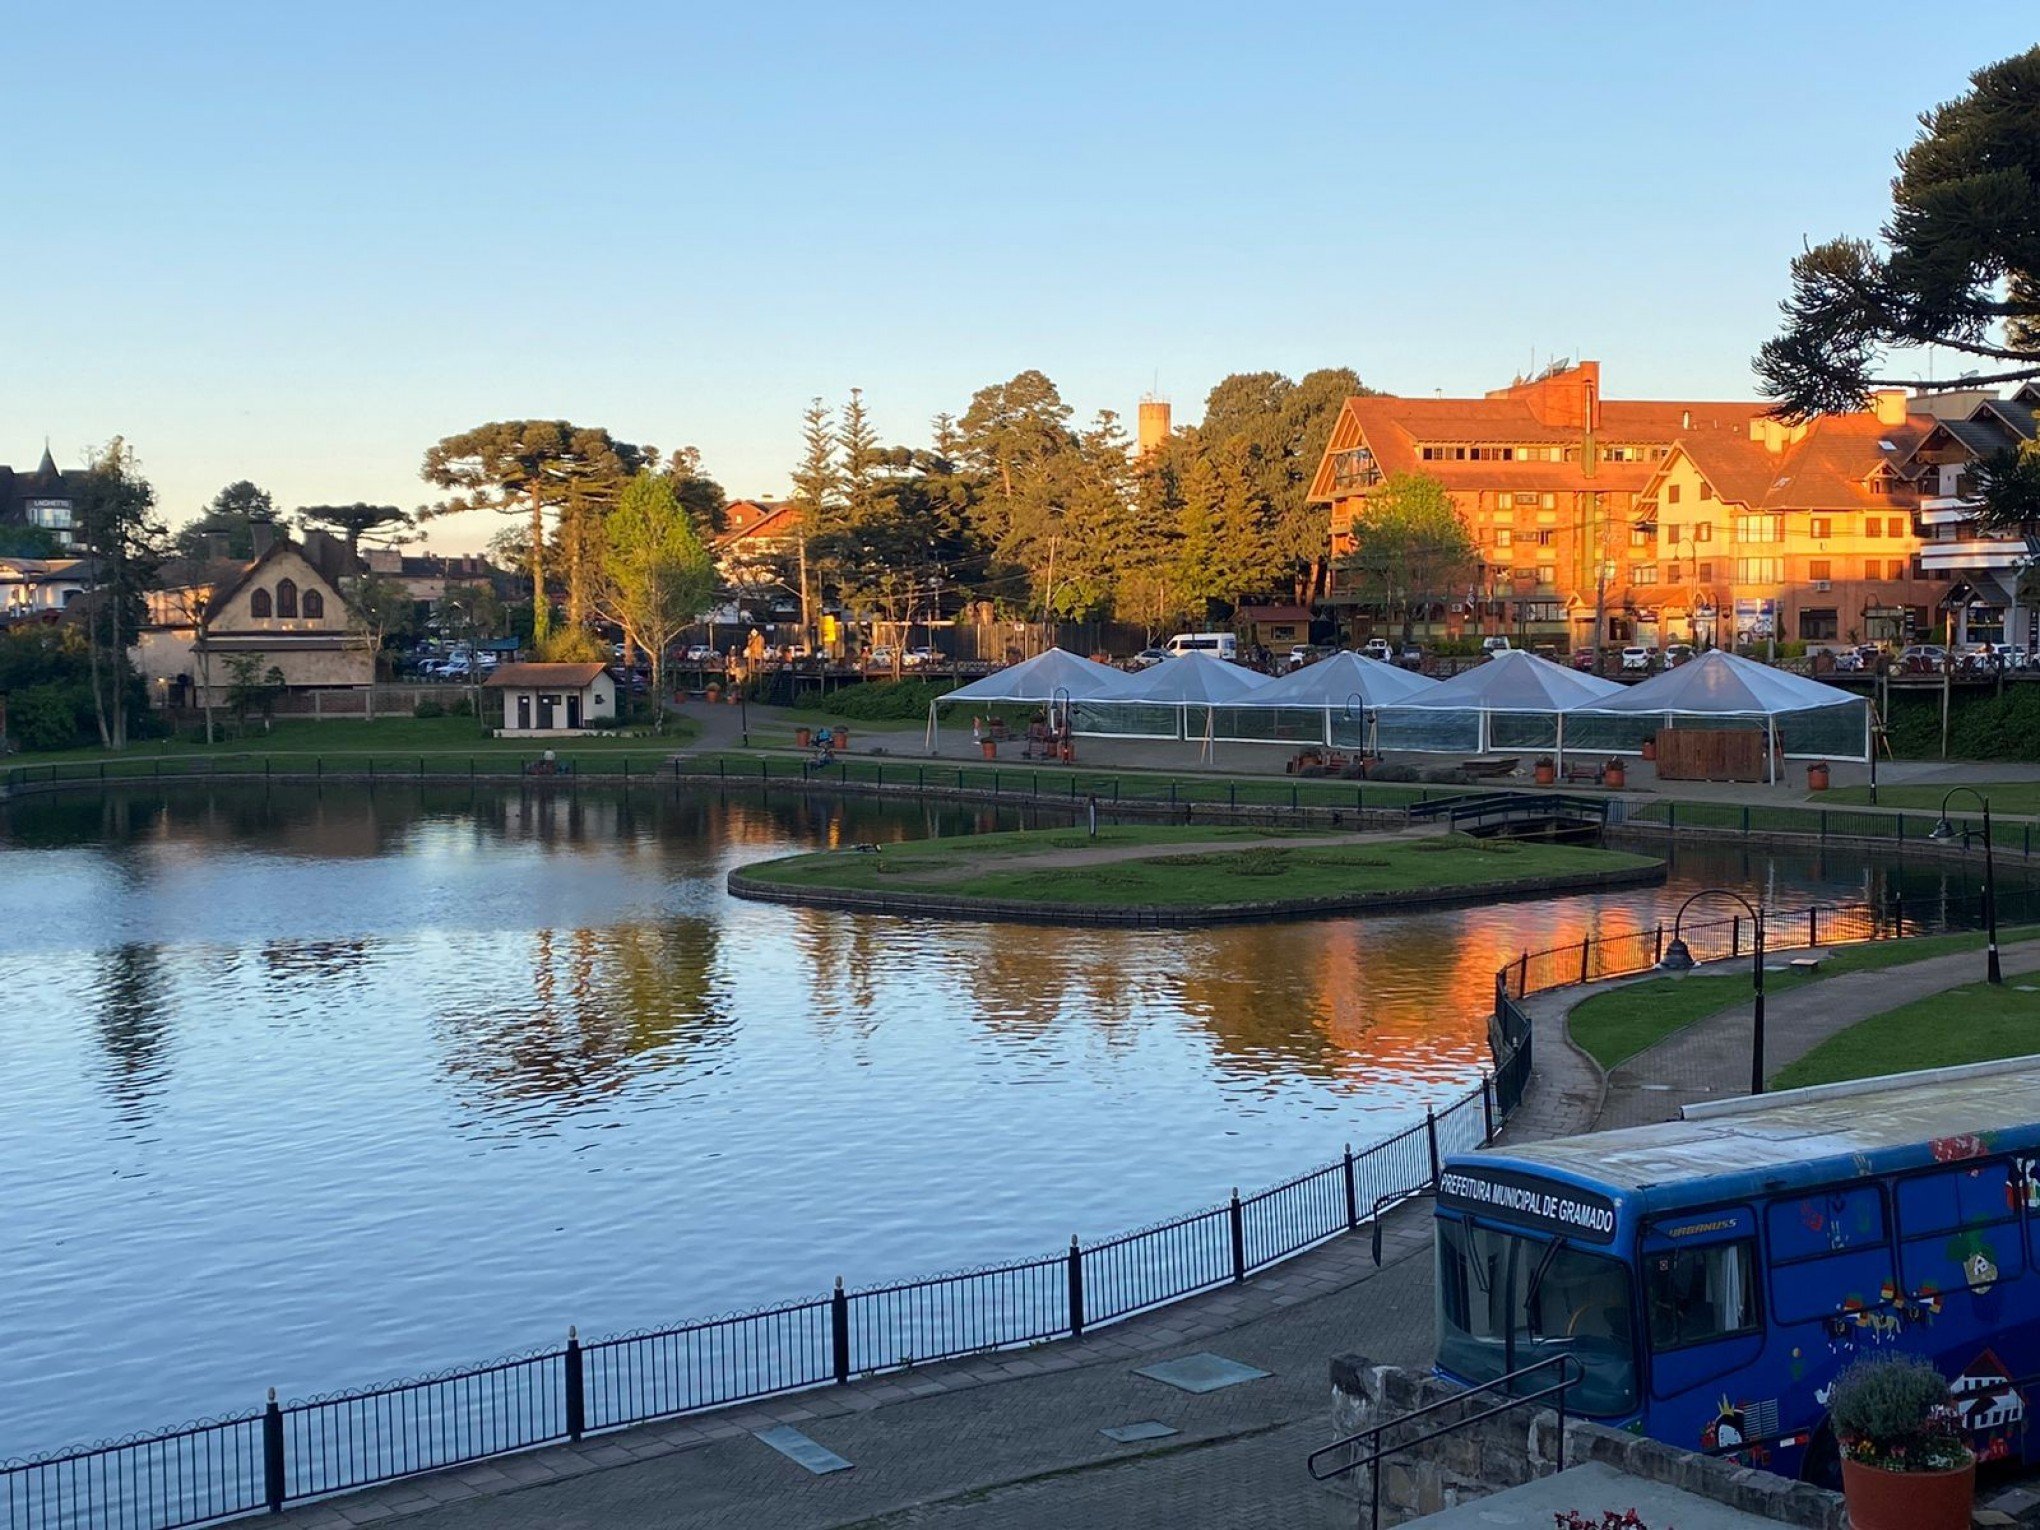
{"x": 278, "y": 608}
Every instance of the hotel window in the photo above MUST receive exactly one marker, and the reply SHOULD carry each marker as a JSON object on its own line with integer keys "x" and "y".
{"x": 1758, "y": 571}
{"x": 1899, "y": 569}
{"x": 286, "y": 598}
{"x": 1671, "y": 494}
{"x": 1818, "y": 625}
{"x": 1704, "y": 572}
{"x": 1872, "y": 526}
{"x": 1543, "y": 539}
{"x": 1898, "y": 526}
{"x": 1504, "y": 537}
{"x": 1670, "y": 533}
{"x": 1820, "y": 568}
{"x": 1639, "y": 536}
{"x": 314, "y": 606}
{"x": 1822, "y": 527}
{"x": 1707, "y": 491}
{"x": 1643, "y": 573}
{"x": 258, "y": 605}
{"x": 1703, "y": 531}
{"x": 1759, "y": 528}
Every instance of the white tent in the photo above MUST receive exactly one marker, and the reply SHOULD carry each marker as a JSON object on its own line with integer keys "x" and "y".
{"x": 1514, "y": 700}
{"x": 1329, "y": 702}
{"x": 1160, "y": 701}
{"x": 1800, "y": 718}
{"x": 1056, "y": 676}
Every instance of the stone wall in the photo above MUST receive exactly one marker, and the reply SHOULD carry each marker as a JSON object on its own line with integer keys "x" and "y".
{"x": 1516, "y": 1447}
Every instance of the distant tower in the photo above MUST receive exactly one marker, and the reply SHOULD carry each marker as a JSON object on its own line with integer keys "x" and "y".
{"x": 1154, "y": 423}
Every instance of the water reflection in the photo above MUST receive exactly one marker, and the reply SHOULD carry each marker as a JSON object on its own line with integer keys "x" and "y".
{"x": 309, "y": 1087}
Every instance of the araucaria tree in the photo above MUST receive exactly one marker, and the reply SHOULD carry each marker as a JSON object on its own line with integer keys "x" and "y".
{"x": 1957, "y": 266}
{"x": 384, "y": 525}
{"x": 1410, "y": 547}
{"x": 116, "y": 530}
{"x": 527, "y": 467}
{"x": 657, "y": 578}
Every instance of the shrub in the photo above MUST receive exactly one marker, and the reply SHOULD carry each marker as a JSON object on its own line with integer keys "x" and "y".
{"x": 883, "y": 700}
{"x": 428, "y": 708}
{"x": 1894, "y": 1411}
{"x": 47, "y": 716}
{"x": 1444, "y": 775}
{"x": 1396, "y": 773}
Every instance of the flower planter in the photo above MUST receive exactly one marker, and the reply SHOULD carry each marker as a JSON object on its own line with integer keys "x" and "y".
{"x": 802, "y": 737}
{"x": 1887, "y": 1500}
{"x": 842, "y": 738}
{"x": 1546, "y": 774}
{"x": 989, "y": 747}
{"x": 1613, "y": 776}
{"x": 1817, "y": 777}
{"x": 1650, "y": 749}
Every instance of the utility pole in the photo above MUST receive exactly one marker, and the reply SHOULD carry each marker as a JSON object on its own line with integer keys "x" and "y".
{"x": 807, "y": 621}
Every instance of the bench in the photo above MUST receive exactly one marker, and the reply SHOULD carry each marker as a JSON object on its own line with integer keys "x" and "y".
{"x": 1485, "y": 769}
{"x": 1587, "y": 773}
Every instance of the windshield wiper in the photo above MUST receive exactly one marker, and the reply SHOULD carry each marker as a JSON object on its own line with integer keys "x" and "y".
{"x": 1530, "y": 1323}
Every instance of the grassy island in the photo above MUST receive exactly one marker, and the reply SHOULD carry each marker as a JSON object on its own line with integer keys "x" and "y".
{"x": 1177, "y": 875}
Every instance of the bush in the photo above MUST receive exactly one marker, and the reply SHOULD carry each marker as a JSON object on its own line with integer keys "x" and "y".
{"x": 461, "y": 708}
{"x": 1895, "y": 1411}
{"x": 48, "y": 716}
{"x": 1444, "y": 775}
{"x": 883, "y": 700}
{"x": 428, "y": 708}
{"x": 1396, "y": 773}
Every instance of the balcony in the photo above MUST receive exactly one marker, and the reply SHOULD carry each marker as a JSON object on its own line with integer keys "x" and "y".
{"x": 1978, "y": 553}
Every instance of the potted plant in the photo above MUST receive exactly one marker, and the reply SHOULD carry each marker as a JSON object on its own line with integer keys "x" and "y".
{"x": 1817, "y": 776}
{"x": 1904, "y": 1463}
{"x": 1612, "y": 775}
{"x": 1546, "y": 770}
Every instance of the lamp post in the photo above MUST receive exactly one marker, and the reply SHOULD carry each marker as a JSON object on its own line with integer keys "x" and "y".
{"x": 1678, "y": 960}
{"x": 1945, "y": 831}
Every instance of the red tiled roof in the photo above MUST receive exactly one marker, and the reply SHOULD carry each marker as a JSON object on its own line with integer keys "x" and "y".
{"x": 567, "y": 676}
{"x": 1829, "y": 468}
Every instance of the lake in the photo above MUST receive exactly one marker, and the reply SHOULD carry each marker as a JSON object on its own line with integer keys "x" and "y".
{"x": 314, "y": 1088}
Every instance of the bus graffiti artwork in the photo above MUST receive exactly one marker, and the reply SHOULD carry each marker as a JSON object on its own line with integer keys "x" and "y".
{"x": 1712, "y": 1275}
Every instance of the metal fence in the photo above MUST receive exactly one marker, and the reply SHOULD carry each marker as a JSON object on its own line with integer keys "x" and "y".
{"x": 302, "y": 1449}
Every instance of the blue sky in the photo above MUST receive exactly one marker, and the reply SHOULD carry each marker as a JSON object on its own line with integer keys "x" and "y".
{"x": 299, "y": 244}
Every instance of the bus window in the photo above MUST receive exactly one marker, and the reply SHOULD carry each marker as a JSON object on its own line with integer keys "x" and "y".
{"x": 1830, "y": 1253}
{"x": 1506, "y": 1302}
{"x": 1698, "y": 1295}
{"x": 1957, "y": 1227}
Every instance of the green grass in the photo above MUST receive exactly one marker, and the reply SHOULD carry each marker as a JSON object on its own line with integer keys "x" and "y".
{"x": 2012, "y": 798}
{"x": 444, "y": 744}
{"x": 1613, "y": 1027}
{"x": 1973, "y": 1023}
{"x": 1207, "y": 874}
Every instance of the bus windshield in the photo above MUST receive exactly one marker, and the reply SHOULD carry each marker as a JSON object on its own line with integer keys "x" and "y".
{"x": 1506, "y": 1300}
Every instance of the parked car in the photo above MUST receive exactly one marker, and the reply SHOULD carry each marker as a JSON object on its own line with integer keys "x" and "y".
{"x": 700, "y": 653}
{"x": 1677, "y": 654}
{"x": 879, "y": 658}
{"x": 1412, "y": 657}
{"x": 1585, "y": 658}
{"x": 921, "y": 658}
{"x": 1923, "y": 659}
{"x": 1636, "y": 660}
{"x": 1494, "y": 645}
{"x": 1378, "y": 648}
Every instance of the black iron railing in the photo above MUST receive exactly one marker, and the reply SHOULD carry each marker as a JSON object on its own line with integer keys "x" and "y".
{"x": 302, "y": 1449}
{"x": 1366, "y": 1451}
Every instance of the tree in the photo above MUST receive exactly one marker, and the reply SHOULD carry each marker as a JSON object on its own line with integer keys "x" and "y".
{"x": 385, "y": 525}
{"x": 1959, "y": 268}
{"x": 862, "y": 455}
{"x": 817, "y": 491}
{"x": 115, "y": 528}
{"x": 382, "y": 608}
{"x": 251, "y": 688}
{"x": 25, "y": 541}
{"x": 1410, "y": 546}
{"x": 527, "y": 467}
{"x": 700, "y": 495}
{"x": 656, "y": 575}
{"x": 233, "y": 514}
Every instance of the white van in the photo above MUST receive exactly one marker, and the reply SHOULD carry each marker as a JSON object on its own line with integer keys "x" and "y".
{"x": 1220, "y": 645}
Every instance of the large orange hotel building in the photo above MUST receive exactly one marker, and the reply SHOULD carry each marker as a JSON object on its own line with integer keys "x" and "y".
{"x": 1699, "y": 521}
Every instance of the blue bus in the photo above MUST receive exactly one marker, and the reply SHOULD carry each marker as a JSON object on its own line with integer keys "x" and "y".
{"x": 1711, "y": 1275}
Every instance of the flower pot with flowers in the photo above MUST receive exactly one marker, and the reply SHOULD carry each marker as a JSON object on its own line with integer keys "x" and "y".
{"x": 1546, "y": 770}
{"x": 1905, "y": 1465}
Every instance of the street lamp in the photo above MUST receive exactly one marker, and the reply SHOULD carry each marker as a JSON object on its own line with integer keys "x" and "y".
{"x": 1945, "y": 831}
{"x": 1678, "y": 960}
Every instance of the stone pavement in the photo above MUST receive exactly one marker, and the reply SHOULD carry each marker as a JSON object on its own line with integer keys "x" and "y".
{"x": 1005, "y": 1439}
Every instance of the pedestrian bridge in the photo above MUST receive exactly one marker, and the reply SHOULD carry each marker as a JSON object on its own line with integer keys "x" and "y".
{"x": 1516, "y": 815}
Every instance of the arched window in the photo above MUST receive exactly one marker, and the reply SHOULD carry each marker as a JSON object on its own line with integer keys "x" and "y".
{"x": 286, "y": 597}
{"x": 258, "y": 604}
{"x": 314, "y": 606}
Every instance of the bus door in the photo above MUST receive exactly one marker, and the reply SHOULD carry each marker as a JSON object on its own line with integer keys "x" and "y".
{"x": 1704, "y": 1324}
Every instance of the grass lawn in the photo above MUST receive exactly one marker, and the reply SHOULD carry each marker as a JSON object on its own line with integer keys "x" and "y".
{"x": 1614, "y": 1026}
{"x": 1206, "y": 873}
{"x": 1974, "y": 1023}
{"x": 2008, "y": 797}
{"x": 393, "y": 740}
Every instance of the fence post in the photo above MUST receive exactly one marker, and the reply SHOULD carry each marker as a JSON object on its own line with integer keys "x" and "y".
{"x": 1523, "y": 975}
{"x": 1812, "y": 927}
{"x": 1076, "y": 1289}
{"x": 1735, "y": 933}
{"x": 1823, "y": 826}
{"x": 1672, "y": 817}
{"x": 1658, "y": 954}
{"x": 1352, "y": 1193}
{"x": 577, "y": 1396}
{"x": 1431, "y": 1137}
{"x": 839, "y": 1330}
{"x": 1487, "y": 1106}
{"x": 1584, "y": 945}
{"x": 1746, "y": 821}
{"x": 764, "y": 766}
{"x": 272, "y": 1455}
{"x": 1239, "y": 1237}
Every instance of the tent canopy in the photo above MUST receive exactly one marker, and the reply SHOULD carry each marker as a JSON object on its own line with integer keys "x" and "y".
{"x": 1515, "y": 681}
{"x": 1191, "y": 679}
{"x": 1344, "y": 681}
{"x": 1056, "y": 675}
{"x": 1721, "y": 684}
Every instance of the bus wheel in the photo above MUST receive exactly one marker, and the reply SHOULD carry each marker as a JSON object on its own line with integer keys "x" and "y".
{"x": 1822, "y": 1463}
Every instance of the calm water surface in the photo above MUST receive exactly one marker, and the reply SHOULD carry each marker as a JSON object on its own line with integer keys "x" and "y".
{"x": 317, "y": 1089}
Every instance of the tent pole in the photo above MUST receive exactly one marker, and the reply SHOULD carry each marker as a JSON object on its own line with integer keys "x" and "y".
{"x": 1561, "y": 742}
{"x": 929, "y": 741}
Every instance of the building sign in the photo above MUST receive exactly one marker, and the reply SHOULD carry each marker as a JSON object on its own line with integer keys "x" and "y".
{"x": 1755, "y": 620}
{"x": 51, "y": 514}
{"x": 1521, "y": 1198}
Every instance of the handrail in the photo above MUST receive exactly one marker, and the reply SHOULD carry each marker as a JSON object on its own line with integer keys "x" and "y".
{"x": 1379, "y": 1452}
